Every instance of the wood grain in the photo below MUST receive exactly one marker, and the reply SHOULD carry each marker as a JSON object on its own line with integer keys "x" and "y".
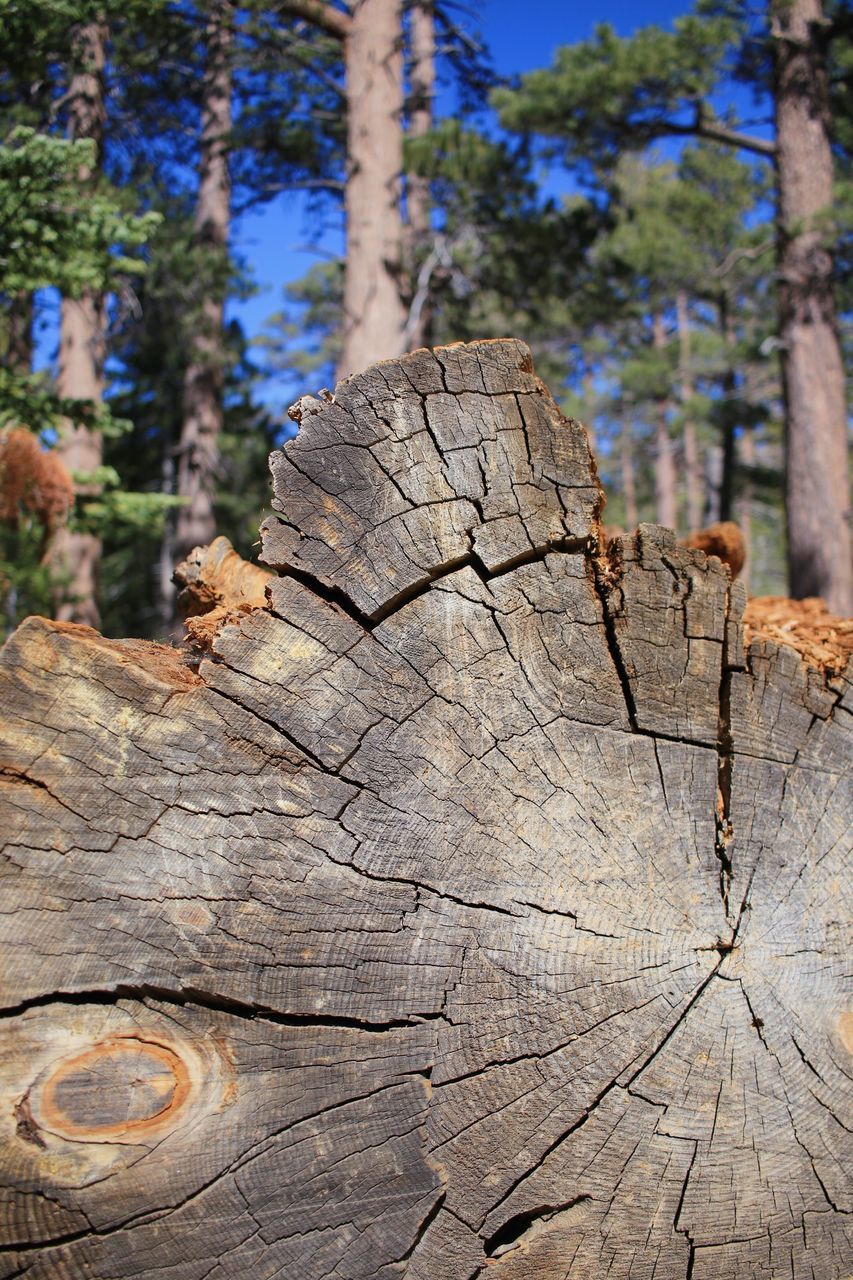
{"x": 476, "y": 907}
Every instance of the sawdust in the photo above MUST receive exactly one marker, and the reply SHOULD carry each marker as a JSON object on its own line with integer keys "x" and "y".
{"x": 820, "y": 638}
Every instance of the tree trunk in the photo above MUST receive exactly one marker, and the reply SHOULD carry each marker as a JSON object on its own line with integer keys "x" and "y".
{"x": 817, "y": 493}
{"x": 203, "y": 382}
{"x": 20, "y": 324}
{"x": 692, "y": 467}
{"x": 76, "y": 555}
{"x": 665, "y": 482}
{"x": 374, "y": 314}
{"x": 729, "y": 453}
{"x": 422, "y": 90}
{"x": 713, "y": 483}
{"x": 472, "y": 910}
{"x": 743, "y": 508}
{"x": 168, "y": 559}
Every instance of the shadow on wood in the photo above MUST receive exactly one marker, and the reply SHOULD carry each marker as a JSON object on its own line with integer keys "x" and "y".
{"x": 474, "y": 908}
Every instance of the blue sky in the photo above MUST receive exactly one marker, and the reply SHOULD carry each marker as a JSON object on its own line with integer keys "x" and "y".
{"x": 520, "y": 38}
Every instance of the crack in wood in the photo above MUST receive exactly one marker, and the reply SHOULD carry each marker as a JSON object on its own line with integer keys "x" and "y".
{"x": 524, "y": 1227}
{"x": 725, "y": 755}
{"x": 188, "y": 995}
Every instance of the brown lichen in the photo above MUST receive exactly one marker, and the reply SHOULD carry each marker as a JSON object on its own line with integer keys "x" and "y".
{"x": 34, "y": 483}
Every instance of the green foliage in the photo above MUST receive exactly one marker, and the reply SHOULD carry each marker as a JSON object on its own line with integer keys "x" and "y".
{"x": 26, "y": 581}
{"x": 612, "y": 93}
{"x": 697, "y": 226}
{"x": 304, "y": 338}
{"x": 29, "y": 400}
{"x": 55, "y": 231}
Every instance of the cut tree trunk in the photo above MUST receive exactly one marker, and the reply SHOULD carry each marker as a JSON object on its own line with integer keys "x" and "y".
{"x": 474, "y": 909}
{"x": 817, "y": 494}
{"x": 204, "y": 379}
{"x": 374, "y": 314}
{"x": 76, "y": 554}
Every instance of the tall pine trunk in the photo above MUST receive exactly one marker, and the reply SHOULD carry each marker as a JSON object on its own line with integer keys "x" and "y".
{"x": 168, "y": 560}
{"x": 692, "y": 468}
{"x": 817, "y": 496}
{"x": 665, "y": 501}
{"x": 422, "y": 89}
{"x": 374, "y": 313}
{"x": 76, "y": 555}
{"x": 198, "y": 448}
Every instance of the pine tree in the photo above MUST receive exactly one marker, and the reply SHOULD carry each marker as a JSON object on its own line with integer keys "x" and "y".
{"x": 82, "y": 346}
{"x": 610, "y": 95}
{"x": 57, "y": 233}
{"x": 204, "y": 375}
{"x": 420, "y": 122}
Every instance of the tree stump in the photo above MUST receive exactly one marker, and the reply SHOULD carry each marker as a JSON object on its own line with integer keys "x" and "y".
{"x": 472, "y": 909}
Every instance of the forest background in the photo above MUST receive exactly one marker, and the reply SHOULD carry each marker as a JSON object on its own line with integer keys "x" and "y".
{"x": 209, "y": 209}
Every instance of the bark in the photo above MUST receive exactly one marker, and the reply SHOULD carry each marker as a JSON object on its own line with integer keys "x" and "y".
{"x": 325, "y": 16}
{"x": 692, "y": 466}
{"x": 204, "y": 379}
{"x": 817, "y": 493}
{"x": 665, "y": 481}
{"x": 77, "y": 555}
{"x": 422, "y": 90}
{"x": 374, "y": 314}
{"x": 472, "y": 911}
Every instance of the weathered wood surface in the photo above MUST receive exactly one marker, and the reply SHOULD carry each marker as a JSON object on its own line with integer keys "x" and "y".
{"x": 476, "y": 908}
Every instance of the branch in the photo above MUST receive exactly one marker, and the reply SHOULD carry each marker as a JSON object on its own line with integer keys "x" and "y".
{"x": 705, "y": 127}
{"x": 437, "y": 257}
{"x": 736, "y": 255}
{"x": 320, "y": 14}
{"x": 745, "y": 141}
{"x": 332, "y": 186}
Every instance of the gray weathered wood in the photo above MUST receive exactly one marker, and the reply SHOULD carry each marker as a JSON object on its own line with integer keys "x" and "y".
{"x": 476, "y": 907}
